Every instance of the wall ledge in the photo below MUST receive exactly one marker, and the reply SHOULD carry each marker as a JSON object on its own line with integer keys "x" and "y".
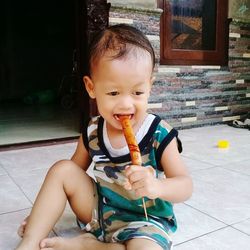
{"x": 116, "y": 7}
{"x": 240, "y": 22}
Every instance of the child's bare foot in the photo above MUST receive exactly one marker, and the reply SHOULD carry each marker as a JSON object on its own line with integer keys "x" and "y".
{"x": 82, "y": 242}
{"x": 22, "y": 227}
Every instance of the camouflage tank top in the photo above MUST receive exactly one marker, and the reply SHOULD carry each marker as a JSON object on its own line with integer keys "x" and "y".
{"x": 109, "y": 171}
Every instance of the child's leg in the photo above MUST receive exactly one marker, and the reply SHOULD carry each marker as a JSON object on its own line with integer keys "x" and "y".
{"x": 142, "y": 244}
{"x": 88, "y": 242}
{"x": 82, "y": 242}
{"x": 65, "y": 180}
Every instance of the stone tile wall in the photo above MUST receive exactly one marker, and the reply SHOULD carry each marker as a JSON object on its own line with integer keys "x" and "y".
{"x": 190, "y": 96}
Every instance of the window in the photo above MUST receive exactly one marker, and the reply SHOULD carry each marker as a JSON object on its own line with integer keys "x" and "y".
{"x": 194, "y": 32}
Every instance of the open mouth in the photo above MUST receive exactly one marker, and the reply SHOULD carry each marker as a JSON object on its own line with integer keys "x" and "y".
{"x": 118, "y": 116}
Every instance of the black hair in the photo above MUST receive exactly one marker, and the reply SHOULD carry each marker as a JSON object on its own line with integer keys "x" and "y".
{"x": 118, "y": 41}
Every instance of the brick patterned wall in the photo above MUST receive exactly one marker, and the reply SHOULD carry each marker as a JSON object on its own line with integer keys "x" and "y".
{"x": 189, "y": 96}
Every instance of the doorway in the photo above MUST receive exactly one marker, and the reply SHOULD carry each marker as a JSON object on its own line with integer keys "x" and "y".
{"x": 40, "y": 94}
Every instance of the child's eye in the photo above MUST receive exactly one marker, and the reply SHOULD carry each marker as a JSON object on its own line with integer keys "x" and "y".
{"x": 113, "y": 93}
{"x": 138, "y": 93}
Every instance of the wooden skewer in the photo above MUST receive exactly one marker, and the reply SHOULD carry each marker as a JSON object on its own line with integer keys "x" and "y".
{"x": 133, "y": 148}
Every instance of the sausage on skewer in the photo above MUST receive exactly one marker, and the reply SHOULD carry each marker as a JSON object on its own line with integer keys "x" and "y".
{"x": 133, "y": 147}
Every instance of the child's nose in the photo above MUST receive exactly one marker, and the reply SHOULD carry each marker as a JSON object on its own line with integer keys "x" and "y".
{"x": 126, "y": 102}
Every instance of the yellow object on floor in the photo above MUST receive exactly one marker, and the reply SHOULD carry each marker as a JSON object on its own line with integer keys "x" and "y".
{"x": 223, "y": 144}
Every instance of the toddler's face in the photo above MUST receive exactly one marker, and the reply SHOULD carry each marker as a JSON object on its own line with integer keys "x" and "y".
{"x": 121, "y": 86}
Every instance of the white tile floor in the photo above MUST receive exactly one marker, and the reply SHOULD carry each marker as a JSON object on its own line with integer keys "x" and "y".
{"x": 217, "y": 217}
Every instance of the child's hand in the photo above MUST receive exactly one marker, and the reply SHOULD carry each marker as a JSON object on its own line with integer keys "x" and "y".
{"x": 142, "y": 180}
{"x": 22, "y": 227}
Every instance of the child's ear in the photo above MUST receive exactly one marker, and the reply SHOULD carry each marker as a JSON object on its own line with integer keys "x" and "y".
{"x": 89, "y": 85}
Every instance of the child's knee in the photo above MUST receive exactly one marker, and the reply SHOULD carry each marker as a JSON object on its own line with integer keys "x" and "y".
{"x": 142, "y": 244}
{"x": 63, "y": 167}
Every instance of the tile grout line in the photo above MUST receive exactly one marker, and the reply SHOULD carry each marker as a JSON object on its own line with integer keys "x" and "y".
{"x": 8, "y": 174}
{"x": 201, "y": 169}
{"x": 226, "y": 224}
{"x": 190, "y": 158}
{"x": 202, "y": 235}
{"x": 235, "y": 171}
{"x": 240, "y": 231}
{"x": 200, "y": 161}
{"x": 15, "y": 211}
{"x": 221, "y": 167}
{"x": 232, "y": 225}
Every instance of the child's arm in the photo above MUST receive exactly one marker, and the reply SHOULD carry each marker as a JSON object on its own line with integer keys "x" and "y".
{"x": 81, "y": 155}
{"x": 177, "y": 187}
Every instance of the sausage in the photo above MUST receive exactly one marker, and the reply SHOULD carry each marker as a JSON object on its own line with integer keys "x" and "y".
{"x": 131, "y": 140}
{"x": 134, "y": 149}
